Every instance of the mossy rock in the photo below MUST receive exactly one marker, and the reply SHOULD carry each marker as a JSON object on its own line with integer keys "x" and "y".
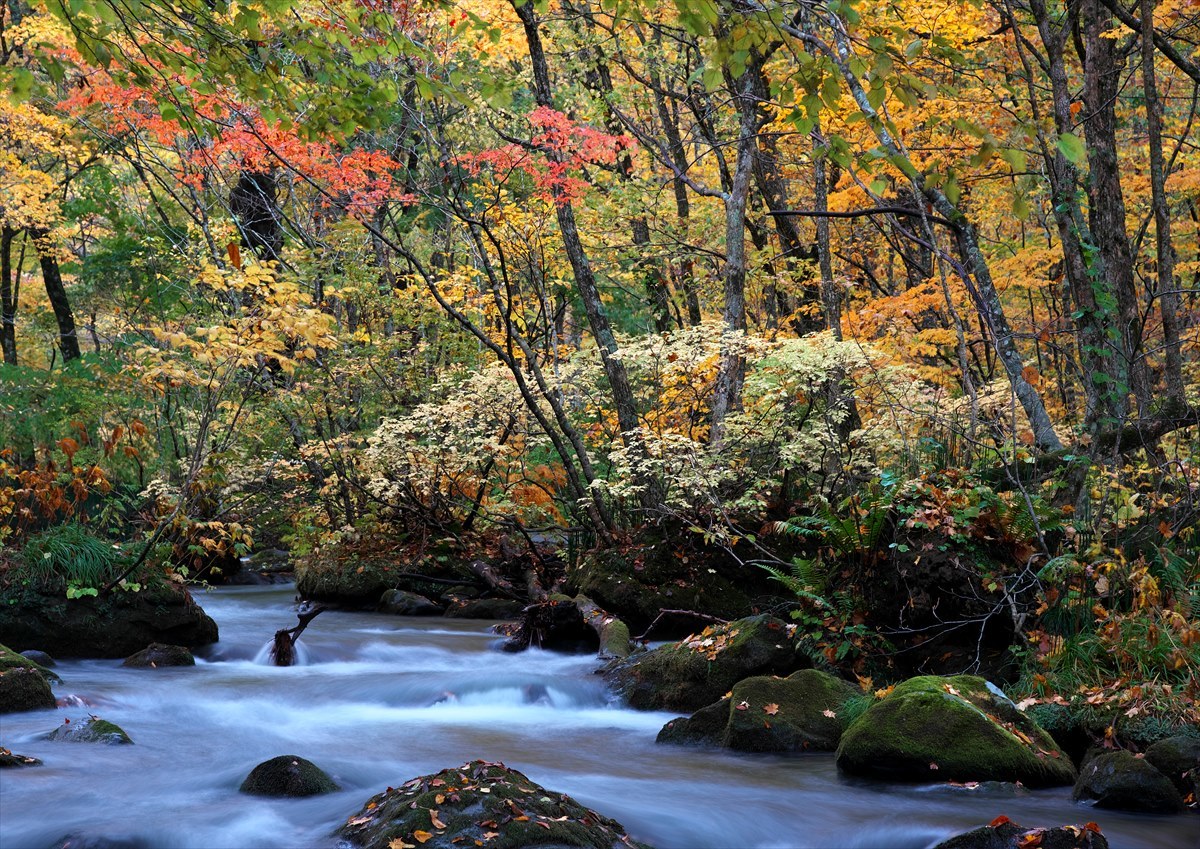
{"x": 404, "y": 603}
{"x": 24, "y": 689}
{"x": 95, "y": 730}
{"x": 10, "y": 659}
{"x": 958, "y": 728}
{"x": 114, "y": 626}
{"x": 10, "y": 760}
{"x": 1125, "y": 782}
{"x": 485, "y": 802}
{"x": 484, "y": 608}
{"x": 349, "y": 582}
{"x": 806, "y": 716}
{"x": 158, "y": 655}
{"x": 705, "y": 727}
{"x": 1178, "y": 758}
{"x": 636, "y": 582}
{"x": 1009, "y": 835}
{"x": 287, "y": 775}
{"x": 702, "y": 668}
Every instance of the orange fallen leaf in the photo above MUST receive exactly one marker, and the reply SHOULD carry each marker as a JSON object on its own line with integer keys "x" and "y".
{"x": 400, "y": 844}
{"x": 433, "y": 819}
{"x": 422, "y": 836}
{"x": 1030, "y": 840}
{"x": 999, "y": 821}
{"x": 771, "y": 709}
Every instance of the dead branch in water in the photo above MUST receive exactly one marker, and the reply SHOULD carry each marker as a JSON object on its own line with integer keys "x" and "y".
{"x": 283, "y": 653}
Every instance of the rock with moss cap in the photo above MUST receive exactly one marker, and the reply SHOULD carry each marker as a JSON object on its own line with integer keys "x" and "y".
{"x": 287, "y": 775}
{"x": 958, "y": 728}
{"x": 95, "y": 730}
{"x": 480, "y": 803}
{"x": 1178, "y": 758}
{"x": 10, "y": 759}
{"x": 700, "y": 669}
{"x": 10, "y": 659}
{"x": 157, "y": 655}
{"x": 1006, "y": 834}
{"x": 803, "y": 712}
{"x": 1126, "y": 782}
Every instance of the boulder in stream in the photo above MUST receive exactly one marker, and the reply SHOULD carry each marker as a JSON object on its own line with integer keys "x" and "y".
{"x": 804, "y": 712}
{"x": 957, "y": 728}
{"x": 700, "y": 669}
{"x": 1178, "y": 758}
{"x": 1003, "y": 833}
{"x": 288, "y": 775}
{"x": 9, "y": 759}
{"x": 404, "y": 603}
{"x": 1127, "y": 782}
{"x": 95, "y": 730}
{"x": 113, "y": 626}
{"x": 480, "y": 803}
{"x": 24, "y": 689}
{"x": 484, "y": 608}
{"x": 157, "y": 655}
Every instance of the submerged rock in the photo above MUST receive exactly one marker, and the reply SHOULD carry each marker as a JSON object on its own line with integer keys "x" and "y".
{"x": 116, "y": 625}
{"x": 160, "y": 654}
{"x": 9, "y": 759}
{"x": 480, "y": 803}
{"x": 803, "y": 712}
{"x": 288, "y": 775}
{"x": 959, "y": 728}
{"x": 1005, "y": 834}
{"x": 702, "y": 668}
{"x": 95, "y": 730}
{"x": 1123, "y": 781}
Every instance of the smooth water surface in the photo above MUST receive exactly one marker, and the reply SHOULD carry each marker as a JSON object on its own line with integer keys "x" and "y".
{"x": 383, "y": 699}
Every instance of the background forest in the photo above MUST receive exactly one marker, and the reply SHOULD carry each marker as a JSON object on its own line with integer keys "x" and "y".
{"x": 883, "y": 313}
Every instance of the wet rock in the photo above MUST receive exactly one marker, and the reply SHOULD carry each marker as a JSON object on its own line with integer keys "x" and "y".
{"x": 24, "y": 689}
{"x": 39, "y": 657}
{"x": 95, "y": 730}
{"x": 958, "y": 728}
{"x": 1123, "y": 781}
{"x": 803, "y": 712}
{"x": 1178, "y": 758}
{"x": 114, "y": 626}
{"x": 485, "y": 608}
{"x": 345, "y": 580}
{"x": 287, "y": 775}
{"x": 96, "y": 841}
{"x": 8, "y": 759}
{"x": 10, "y": 659}
{"x": 1006, "y": 834}
{"x": 705, "y": 727}
{"x": 158, "y": 654}
{"x": 404, "y": 603}
{"x": 702, "y": 668}
{"x": 485, "y": 802}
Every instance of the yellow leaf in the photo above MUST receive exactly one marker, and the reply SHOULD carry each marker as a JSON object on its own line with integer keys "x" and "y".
{"x": 422, "y": 836}
{"x": 771, "y": 709}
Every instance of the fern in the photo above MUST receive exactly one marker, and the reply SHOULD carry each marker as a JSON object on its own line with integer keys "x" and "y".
{"x": 805, "y": 579}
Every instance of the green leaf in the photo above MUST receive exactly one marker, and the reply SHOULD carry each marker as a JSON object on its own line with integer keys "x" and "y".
{"x": 1072, "y": 148}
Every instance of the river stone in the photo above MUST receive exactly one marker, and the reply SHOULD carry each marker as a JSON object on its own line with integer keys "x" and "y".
{"x": 705, "y": 727}
{"x": 97, "y": 841}
{"x": 1009, "y": 835}
{"x": 958, "y": 728}
{"x": 288, "y": 775}
{"x": 484, "y": 608}
{"x": 404, "y": 603}
{"x": 10, "y": 659}
{"x": 39, "y": 657}
{"x": 95, "y": 730}
{"x": 1123, "y": 781}
{"x": 114, "y": 626}
{"x": 480, "y": 803}
{"x": 1178, "y": 758}
{"x": 24, "y": 689}
{"x": 700, "y": 669}
{"x": 8, "y": 759}
{"x": 160, "y": 654}
{"x": 809, "y": 708}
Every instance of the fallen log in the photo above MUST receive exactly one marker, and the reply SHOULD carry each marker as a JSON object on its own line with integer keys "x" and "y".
{"x": 283, "y": 653}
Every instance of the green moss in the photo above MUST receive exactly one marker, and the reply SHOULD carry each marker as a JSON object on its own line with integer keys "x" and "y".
{"x": 705, "y": 727}
{"x": 798, "y": 713}
{"x": 95, "y": 730}
{"x": 24, "y": 689}
{"x": 10, "y": 659}
{"x": 287, "y": 775}
{"x": 951, "y": 729}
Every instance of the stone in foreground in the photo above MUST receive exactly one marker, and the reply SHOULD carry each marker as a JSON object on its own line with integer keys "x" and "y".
{"x": 157, "y": 655}
{"x": 1125, "y": 782}
{"x": 288, "y": 775}
{"x": 480, "y": 803}
{"x": 958, "y": 728}
{"x": 95, "y": 730}
{"x": 1005, "y": 834}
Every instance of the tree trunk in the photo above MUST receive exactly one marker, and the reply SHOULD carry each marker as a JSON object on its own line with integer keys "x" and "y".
{"x": 1168, "y": 300}
{"x": 68, "y": 340}
{"x": 8, "y": 298}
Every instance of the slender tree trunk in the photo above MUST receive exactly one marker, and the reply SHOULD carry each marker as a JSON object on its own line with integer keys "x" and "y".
{"x": 682, "y": 202}
{"x": 68, "y": 339}
{"x": 1168, "y": 300}
{"x": 8, "y": 298}
{"x": 731, "y": 375}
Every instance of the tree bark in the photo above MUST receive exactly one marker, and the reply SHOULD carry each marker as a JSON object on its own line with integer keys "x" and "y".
{"x": 8, "y": 298}
{"x": 68, "y": 339}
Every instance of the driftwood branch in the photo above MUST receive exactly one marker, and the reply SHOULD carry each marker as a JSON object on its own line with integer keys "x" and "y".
{"x": 493, "y": 579}
{"x": 704, "y": 617}
{"x": 283, "y": 653}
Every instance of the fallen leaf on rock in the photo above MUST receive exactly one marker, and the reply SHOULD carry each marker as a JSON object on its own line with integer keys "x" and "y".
{"x": 743, "y": 706}
{"x": 400, "y": 844}
{"x": 1092, "y": 827}
{"x": 771, "y": 709}
{"x": 932, "y": 765}
{"x": 999, "y": 821}
{"x": 433, "y": 819}
{"x": 829, "y": 713}
{"x": 422, "y": 836}
{"x": 1030, "y": 840}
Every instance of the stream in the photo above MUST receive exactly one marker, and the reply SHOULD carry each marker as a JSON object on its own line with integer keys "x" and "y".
{"x": 379, "y": 700}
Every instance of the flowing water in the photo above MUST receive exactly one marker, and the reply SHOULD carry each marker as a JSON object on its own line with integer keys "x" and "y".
{"x": 383, "y": 699}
